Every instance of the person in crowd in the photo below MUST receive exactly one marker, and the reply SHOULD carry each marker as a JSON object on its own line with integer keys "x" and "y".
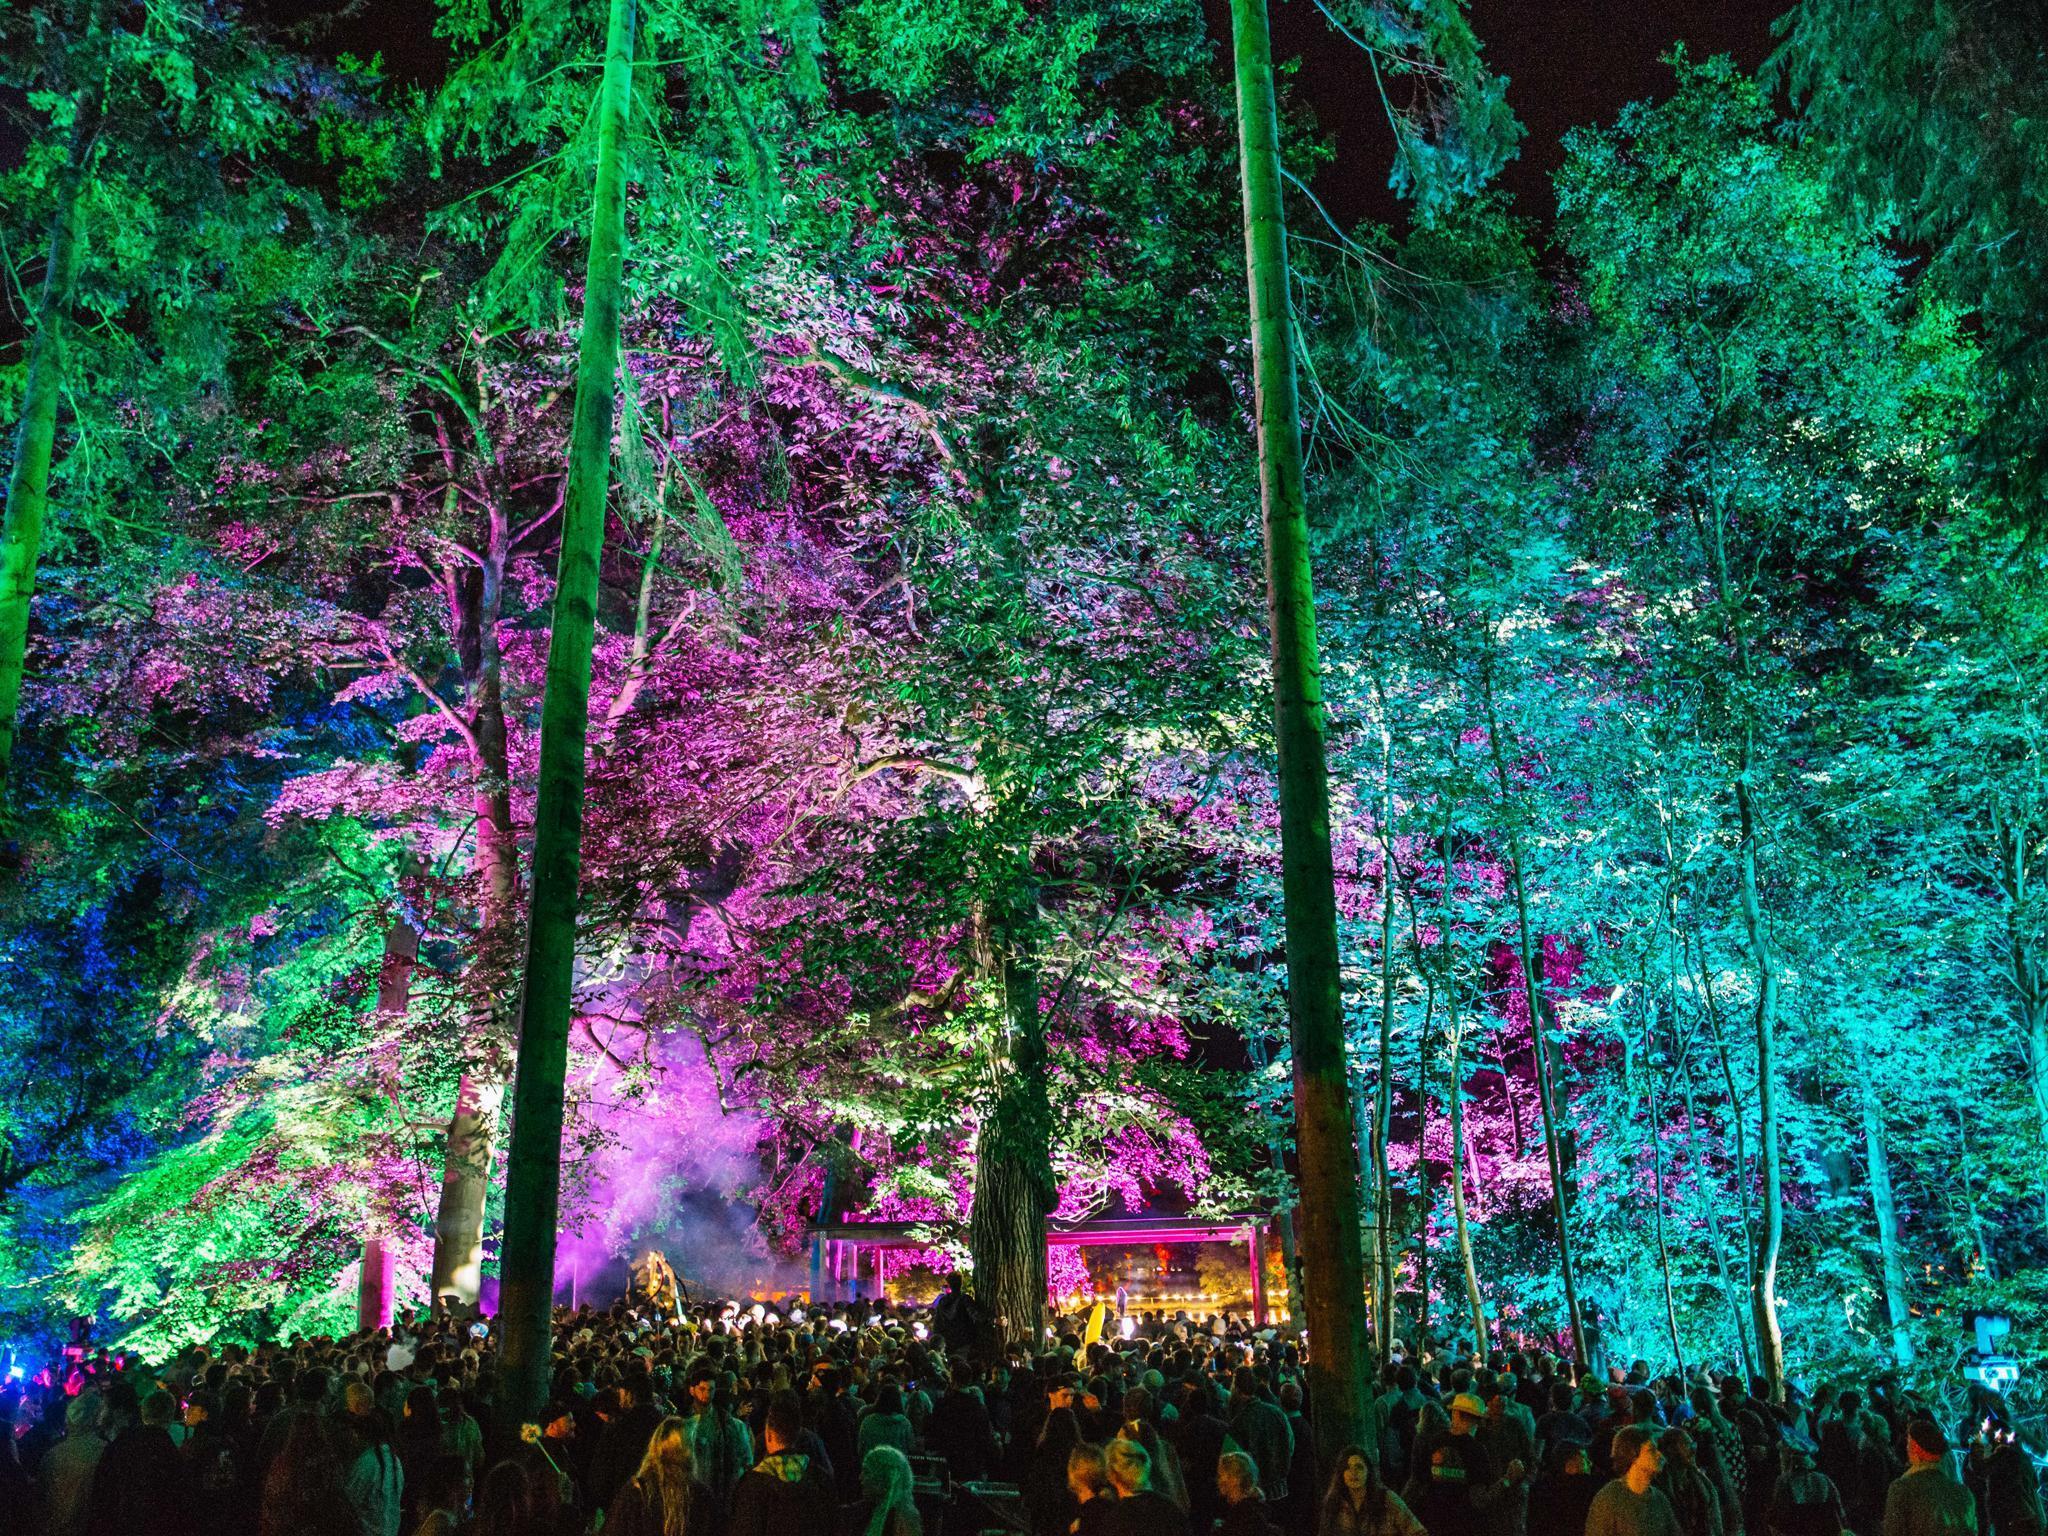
{"x": 1398, "y": 1412}
{"x": 1261, "y": 1430}
{"x": 1926, "y": 1499}
{"x": 66, "y": 1471}
{"x": 786, "y": 1494}
{"x": 1299, "y": 1514}
{"x": 886, "y": 1424}
{"x": 1631, "y": 1504}
{"x": 1564, "y": 1493}
{"x": 1805, "y": 1501}
{"x": 2002, "y": 1476}
{"x": 887, "y": 1505}
{"x": 1454, "y": 1486}
{"x": 139, "y": 1483}
{"x": 1562, "y": 1422}
{"x": 1048, "y": 1502}
{"x": 372, "y": 1476}
{"x": 303, "y": 1491}
{"x": 622, "y": 1445}
{"x": 960, "y": 1429}
{"x": 1243, "y": 1503}
{"x": 1359, "y": 1503}
{"x": 662, "y": 1497}
{"x": 1093, "y": 1493}
{"x": 1166, "y": 1471}
{"x": 1693, "y": 1498}
{"x": 444, "y": 1492}
{"x": 721, "y": 1447}
{"x": 1140, "y": 1509}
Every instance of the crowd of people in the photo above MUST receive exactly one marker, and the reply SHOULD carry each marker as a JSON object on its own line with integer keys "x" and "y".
{"x": 892, "y": 1421}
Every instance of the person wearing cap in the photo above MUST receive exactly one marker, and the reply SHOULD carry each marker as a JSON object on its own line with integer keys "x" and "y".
{"x": 1631, "y": 1505}
{"x": 1926, "y": 1499}
{"x": 1454, "y": 1485}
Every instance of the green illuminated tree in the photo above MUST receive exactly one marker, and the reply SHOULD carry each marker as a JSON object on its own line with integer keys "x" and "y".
{"x": 1760, "y": 376}
{"x": 157, "y": 191}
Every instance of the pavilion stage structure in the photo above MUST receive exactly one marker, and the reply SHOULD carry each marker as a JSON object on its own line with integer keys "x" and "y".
{"x": 846, "y": 1256}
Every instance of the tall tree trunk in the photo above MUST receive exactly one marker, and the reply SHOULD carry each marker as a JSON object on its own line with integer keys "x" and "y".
{"x": 1657, "y": 1193}
{"x": 1014, "y": 1190}
{"x": 1474, "y": 1301}
{"x": 1770, "y": 1338}
{"x": 1884, "y": 1207}
{"x": 1711, "y": 1210}
{"x": 480, "y": 1093}
{"x": 1532, "y": 992}
{"x": 534, "y": 1173}
{"x": 1383, "y": 1088}
{"x": 28, "y": 484}
{"x": 1425, "y": 1193}
{"x": 394, "y": 1001}
{"x": 1332, "y": 1272}
{"x": 1283, "y": 1216}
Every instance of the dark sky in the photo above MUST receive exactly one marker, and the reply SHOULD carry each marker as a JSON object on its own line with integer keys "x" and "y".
{"x": 1569, "y": 62}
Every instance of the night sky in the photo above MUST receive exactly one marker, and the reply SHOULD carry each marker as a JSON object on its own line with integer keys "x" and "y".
{"x": 1569, "y": 62}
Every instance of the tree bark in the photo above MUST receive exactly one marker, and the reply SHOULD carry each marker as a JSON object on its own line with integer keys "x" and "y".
{"x": 1657, "y": 1193}
{"x": 1383, "y": 1089}
{"x": 1711, "y": 1209}
{"x": 534, "y": 1174}
{"x": 1474, "y": 1301}
{"x": 480, "y": 1093}
{"x": 1770, "y": 1338}
{"x": 394, "y": 1001}
{"x": 1014, "y": 1190}
{"x": 1884, "y": 1208}
{"x": 1332, "y": 1272}
{"x": 1532, "y": 992}
{"x": 28, "y": 483}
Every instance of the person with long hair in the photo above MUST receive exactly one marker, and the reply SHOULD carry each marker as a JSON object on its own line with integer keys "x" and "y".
{"x": 887, "y": 1505}
{"x": 663, "y": 1498}
{"x": 1165, "y": 1464}
{"x": 1088, "y": 1482}
{"x": 502, "y": 1503}
{"x": 1047, "y": 1499}
{"x": 1358, "y": 1503}
{"x": 1244, "y": 1502}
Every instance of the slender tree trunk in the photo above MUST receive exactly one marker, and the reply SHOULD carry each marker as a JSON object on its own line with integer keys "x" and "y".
{"x": 28, "y": 484}
{"x": 1532, "y": 991}
{"x": 534, "y": 1174}
{"x": 1770, "y": 1338}
{"x": 1425, "y": 1193}
{"x": 480, "y": 1093}
{"x": 1014, "y": 1190}
{"x": 1735, "y": 1119}
{"x": 1332, "y": 1272}
{"x": 1657, "y": 1193}
{"x": 1884, "y": 1208}
{"x": 1283, "y": 1217}
{"x": 1979, "y": 1234}
{"x": 1474, "y": 1301}
{"x": 394, "y": 1001}
{"x": 1383, "y": 1089}
{"x": 1712, "y": 1210}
